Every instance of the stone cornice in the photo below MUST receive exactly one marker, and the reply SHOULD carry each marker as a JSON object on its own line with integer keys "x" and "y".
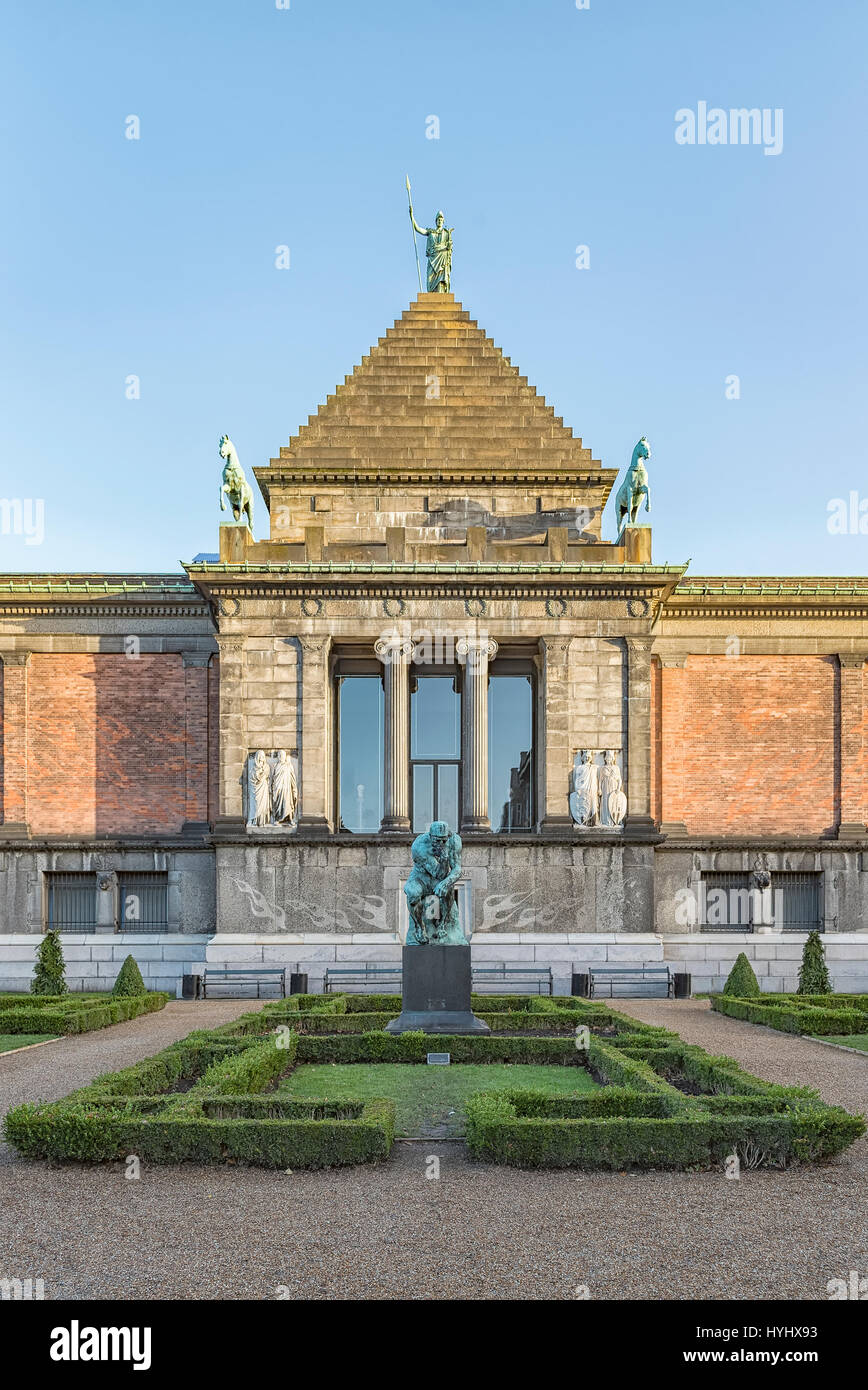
{"x": 283, "y": 473}
{"x": 646, "y": 585}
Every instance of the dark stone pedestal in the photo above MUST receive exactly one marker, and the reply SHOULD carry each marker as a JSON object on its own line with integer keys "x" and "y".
{"x": 436, "y": 992}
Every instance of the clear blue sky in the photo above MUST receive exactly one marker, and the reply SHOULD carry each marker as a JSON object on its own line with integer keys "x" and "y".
{"x": 262, "y": 127}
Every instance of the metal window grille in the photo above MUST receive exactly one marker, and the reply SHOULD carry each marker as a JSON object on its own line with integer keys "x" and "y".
{"x": 798, "y": 901}
{"x": 72, "y": 899}
{"x": 144, "y": 901}
{"x": 795, "y": 900}
{"x": 731, "y": 913}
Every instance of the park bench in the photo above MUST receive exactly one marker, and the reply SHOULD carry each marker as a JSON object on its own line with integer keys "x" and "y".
{"x": 347, "y": 976}
{"x": 632, "y": 981}
{"x": 232, "y": 975}
{"x": 540, "y": 976}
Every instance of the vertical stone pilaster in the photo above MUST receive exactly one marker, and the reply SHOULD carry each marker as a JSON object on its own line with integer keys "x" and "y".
{"x": 639, "y": 817}
{"x": 314, "y": 761}
{"x": 396, "y": 653}
{"x": 556, "y": 755}
{"x": 196, "y": 742}
{"x": 475, "y": 653}
{"x": 14, "y": 743}
{"x": 851, "y": 750}
{"x": 232, "y": 750}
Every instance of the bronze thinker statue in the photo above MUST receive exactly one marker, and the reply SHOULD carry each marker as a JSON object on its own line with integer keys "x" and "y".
{"x": 430, "y": 889}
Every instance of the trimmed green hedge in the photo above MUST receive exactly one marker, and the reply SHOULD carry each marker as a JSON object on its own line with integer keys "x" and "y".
{"x": 803, "y": 1014}
{"x": 507, "y": 1127}
{"x": 221, "y": 1117}
{"x": 414, "y": 1047}
{"x": 303, "y": 1140}
{"x": 59, "y": 1014}
{"x": 661, "y": 1103}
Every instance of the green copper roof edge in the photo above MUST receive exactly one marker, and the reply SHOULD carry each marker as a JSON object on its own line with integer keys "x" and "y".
{"x": 179, "y": 586}
{"x": 770, "y": 590}
{"x": 330, "y": 567}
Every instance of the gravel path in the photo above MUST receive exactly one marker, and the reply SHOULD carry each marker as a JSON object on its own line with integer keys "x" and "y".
{"x": 479, "y": 1232}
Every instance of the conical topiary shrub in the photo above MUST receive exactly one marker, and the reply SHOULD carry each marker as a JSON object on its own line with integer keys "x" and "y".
{"x": 50, "y": 968}
{"x": 129, "y": 980}
{"x": 742, "y": 982}
{"x": 813, "y": 974}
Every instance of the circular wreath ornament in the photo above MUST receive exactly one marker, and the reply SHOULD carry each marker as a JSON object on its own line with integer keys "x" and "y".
{"x": 229, "y": 607}
{"x": 638, "y": 607}
{"x": 475, "y": 607}
{"x": 393, "y": 607}
{"x": 556, "y": 607}
{"x": 311, "y": 607}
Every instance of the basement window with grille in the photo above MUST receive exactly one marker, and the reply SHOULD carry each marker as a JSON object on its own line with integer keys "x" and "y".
{"x": 144, "y": 901}
{"x": 71, "y": 901}
{"x": 730, "y": 901}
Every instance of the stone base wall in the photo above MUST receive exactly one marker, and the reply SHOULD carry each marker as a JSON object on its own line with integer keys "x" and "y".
{"x": 520, "y": 885}
{"x": 308, "y": 905}
{"x": 190, "y": 871}
{"x": 94, "y": 961}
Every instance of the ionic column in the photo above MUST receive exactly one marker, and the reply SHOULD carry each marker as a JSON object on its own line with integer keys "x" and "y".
{"x": 196, "y": 750}
{"x": 314, "y": 759}
{"x": 232, "y": 752}
{"x": 14, "y": 743}
{"x": 639, "y": 817}
{"x": 475, "y": 653}
{"x": 556, "y": 754}
{"x": 851, "y": 723}
{"x": 396, "y": 653}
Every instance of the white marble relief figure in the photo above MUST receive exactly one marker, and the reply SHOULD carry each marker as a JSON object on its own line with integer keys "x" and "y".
{"x": 585, "y": 794}
{"x": 613, "y": 802}
{"x": 259, "y": 790}
{"x": 284, "y": 790}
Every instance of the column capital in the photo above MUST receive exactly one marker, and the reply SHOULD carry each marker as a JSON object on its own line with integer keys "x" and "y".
{"x": 231, "y": 647}
{"x": 639, "y": 646}
{"x": 196, "y": 658}
{"x": 15, "y": 658}
{"x": 314, "y": 648}
{"x": 557, "y": 648}
{"x": 474, "y": 648}
{"x": 852, "y": 659}
{"x": 394, "y": 649}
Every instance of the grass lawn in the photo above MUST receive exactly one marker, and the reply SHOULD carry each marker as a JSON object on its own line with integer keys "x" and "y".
{"x": 10, "y": 1041}
{"x": 857, "y": 1040}
{"x": 429, "y": 1101}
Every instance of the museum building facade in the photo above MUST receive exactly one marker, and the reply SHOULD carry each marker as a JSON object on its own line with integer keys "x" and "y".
{"x": 230, "y": 763}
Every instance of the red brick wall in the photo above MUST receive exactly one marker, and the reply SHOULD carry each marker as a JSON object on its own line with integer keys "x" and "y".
{"x": 106, "y": 744}
{"x": 747, "y": 745}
